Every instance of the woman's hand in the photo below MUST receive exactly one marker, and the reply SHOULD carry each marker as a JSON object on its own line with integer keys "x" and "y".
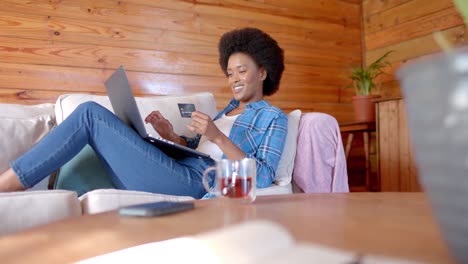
{"x": 161, "y": 125}
{"x": 204, "y": 125}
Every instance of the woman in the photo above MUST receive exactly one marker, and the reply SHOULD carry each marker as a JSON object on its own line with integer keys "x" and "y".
{"x": 248, "y": 127}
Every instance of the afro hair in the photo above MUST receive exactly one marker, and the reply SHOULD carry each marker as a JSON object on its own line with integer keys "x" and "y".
{"x": 263, "y": 49}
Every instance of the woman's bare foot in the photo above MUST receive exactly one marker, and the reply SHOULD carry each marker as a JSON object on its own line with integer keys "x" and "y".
{"x": 9, "y": 182}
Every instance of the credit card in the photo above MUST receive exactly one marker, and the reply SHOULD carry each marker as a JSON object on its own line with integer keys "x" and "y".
{"x": 186, "y": 110}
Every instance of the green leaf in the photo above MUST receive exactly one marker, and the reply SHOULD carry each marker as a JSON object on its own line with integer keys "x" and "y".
{"x": 462, "y": 6}
{"x": 363, "y": 77}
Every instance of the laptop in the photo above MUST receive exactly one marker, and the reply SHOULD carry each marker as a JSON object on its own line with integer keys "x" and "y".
{"x": 125, "y": 107}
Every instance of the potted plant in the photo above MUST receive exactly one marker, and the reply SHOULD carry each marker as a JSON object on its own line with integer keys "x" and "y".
{"x": 363, "y": 82}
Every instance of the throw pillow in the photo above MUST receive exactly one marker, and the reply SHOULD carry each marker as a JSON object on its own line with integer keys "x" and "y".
{"x": 83, "y": 173}
{"x": 286, "y": 164}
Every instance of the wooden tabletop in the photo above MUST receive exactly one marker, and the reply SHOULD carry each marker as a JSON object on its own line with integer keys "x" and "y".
{"x": 357, "y": 126}
{"x": 392, "y": 224}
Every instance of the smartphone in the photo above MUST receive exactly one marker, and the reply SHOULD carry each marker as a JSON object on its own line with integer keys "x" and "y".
{"x": 156, "y": 209}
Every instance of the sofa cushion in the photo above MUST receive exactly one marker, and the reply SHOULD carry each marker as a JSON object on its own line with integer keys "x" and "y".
{"x": 167, "y": 105}
{"x": 21, "y": 127}
{"x": 286, "y": 164}
{"x": 103, "y": 200}
{"x": 275, "y": 189}
{"x": 85, "y": 171}
{"x": 22, "y": 210}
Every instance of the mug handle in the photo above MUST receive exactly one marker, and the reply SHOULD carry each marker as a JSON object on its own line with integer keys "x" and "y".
{"x": 205, "y": 180}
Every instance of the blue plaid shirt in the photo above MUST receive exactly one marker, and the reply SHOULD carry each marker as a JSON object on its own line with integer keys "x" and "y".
{"x": 260, "y": 132}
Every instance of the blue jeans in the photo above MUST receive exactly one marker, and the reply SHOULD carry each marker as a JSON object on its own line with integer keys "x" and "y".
{"x": 132, "y": 162}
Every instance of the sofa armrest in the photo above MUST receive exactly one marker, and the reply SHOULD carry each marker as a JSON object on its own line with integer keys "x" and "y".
{"x": 23, "y": 210}
{"x": 22, "y": 126}
{"x": 104, "y": 200}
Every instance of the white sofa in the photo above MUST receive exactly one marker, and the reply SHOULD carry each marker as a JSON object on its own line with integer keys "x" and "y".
{"x": 22, "y": 126}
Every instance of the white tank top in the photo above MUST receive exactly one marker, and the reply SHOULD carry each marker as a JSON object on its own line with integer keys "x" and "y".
{"x": 224, "y": 123}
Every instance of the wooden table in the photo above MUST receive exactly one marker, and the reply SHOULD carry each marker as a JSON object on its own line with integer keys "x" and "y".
{"x": 392, "y": 224}
{"x": 365, "y": 128}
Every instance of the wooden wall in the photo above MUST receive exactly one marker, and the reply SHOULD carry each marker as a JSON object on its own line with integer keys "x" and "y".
{"x": 406, "y": 27}
{"x": 50, "y": 47}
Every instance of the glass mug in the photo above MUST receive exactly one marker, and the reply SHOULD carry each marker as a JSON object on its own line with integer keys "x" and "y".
{"x": 233, "y": 179}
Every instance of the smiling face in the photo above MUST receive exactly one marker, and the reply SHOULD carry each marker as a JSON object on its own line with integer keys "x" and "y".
{"x": 245, "y": 78}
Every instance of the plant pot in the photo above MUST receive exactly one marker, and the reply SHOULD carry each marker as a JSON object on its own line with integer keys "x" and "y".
{"x": 364, "y": 108}
{"x": 436, "y": 96}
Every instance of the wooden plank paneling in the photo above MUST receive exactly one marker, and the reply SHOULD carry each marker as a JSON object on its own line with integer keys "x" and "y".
{"x": 396, "y": 168}
{"x": 94, "y": 32}
{"x": 352, "y": 1}
{"x": 406, "y": 27}
{"x": 91, "y": 80}
{"x": 87, "y": 56}
{"x": 408, "y": 173}
{"x": 170, "y": 47}
{"x": 98, "y": 33}
{"x": 412, "y": 40}
{"x": 371, "y": 7}
{"x": 414, "y": 172}
{"x": 390, "y": 89}
{"x": 28, "y": 97}
{"x": 341, "y": 111}
{"x": 291, "y": 8}
{"x": 43, "y": 27}
{"x": 119, "y": 12}
{"x": 93, "y": 56}
{"x": 410, "y": 10}
{"x": 404, "y": 154}
{"x": 40, "y": 77}
{"x": 388, "y": 151}
{"x": 439, "y": 21}
{"x": 418, "y": 47}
